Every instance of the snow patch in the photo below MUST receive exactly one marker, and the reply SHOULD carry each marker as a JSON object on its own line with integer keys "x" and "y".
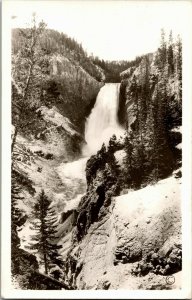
{"x": 149, "y": 200}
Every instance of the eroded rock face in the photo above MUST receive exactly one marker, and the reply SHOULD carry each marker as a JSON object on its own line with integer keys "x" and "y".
{"x": 89, "y": 259}
{"x": 94, "y": 206}
{"x": 102, "y": 183}
{"x": 135, "y": 226}
{"x": 158, "y": 263}
{"x": 70, "y": 89}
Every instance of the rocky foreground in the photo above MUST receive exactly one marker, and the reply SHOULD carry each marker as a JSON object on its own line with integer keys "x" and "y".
{"x": 137, "y": 245}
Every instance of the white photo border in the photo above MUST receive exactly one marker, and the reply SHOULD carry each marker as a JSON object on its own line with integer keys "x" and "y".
{"x": 6, "y": 290}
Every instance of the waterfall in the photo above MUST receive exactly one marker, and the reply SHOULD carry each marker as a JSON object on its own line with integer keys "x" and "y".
{"x": 100, "y": 126}
{"x": 102, "y": 122}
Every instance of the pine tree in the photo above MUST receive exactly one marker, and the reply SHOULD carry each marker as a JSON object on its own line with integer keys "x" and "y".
{"x": 161, "y": 157}
{"x": 134, "y": 96}
{"x": 149, "y": 153}
{"x": 148, "y": 141}
{"x": 45, "y": 227}
{"x": 51, "y": 221}
{"x": 179, "y": 66}
{"x": 161, "y": 55}
{"x": 17, "y": 220}
{"x": 163, "y": 48}
{"x": 145, "y": 93}
{"x": 128, "y": 160}
{"x": 175, "y": 102}
{"x": 170, "y": 56}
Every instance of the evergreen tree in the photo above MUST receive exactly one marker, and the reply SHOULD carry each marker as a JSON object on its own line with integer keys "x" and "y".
{"x": 148, "y": 141}
{"x": 170, "y": 55}
{"x": 134, "y": 96}
{"x": 17, "y": 220}
{"x": 161, "y": 54}
{"x": 179, "y": 66}
{"x": 43, "y": 241}
{"x": 138, "y": 162}
{"x": 175, "y": 104}
{"x": 150, "y": 152}
{"x": 163, "y": 49}
{"x": 161, "y": 157}
{"x": 145, "y": 93}
{"x": 128, "y": 160}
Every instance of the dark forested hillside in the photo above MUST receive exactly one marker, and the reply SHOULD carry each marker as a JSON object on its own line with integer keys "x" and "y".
{"x": 152, "y": 97}
{"x": 113, "y": 69}
{"x": 53, "y": 42}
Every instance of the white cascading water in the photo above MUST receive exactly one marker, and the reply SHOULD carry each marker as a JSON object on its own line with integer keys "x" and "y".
{"x": 102, "y": 122}
{"x": 100, "y": 126}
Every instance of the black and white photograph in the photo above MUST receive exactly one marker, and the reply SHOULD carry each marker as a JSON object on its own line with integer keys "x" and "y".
{"x": 96, "y": 182}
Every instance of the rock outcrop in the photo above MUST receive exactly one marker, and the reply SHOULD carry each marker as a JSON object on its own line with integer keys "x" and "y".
{"x": 140, "y": 226}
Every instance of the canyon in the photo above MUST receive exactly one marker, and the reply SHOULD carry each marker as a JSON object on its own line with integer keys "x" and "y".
{"x": 108, "y": 156}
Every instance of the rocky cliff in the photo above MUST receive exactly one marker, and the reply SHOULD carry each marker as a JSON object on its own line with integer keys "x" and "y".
{"x": 134, "y": 245}
{"x": 56, "y": 123}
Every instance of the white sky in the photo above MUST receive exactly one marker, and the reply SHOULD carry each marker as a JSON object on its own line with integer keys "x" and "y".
{"x": 109, "y": 29}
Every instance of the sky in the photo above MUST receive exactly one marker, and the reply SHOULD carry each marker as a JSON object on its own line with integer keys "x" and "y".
{"x": 112, "y": 30}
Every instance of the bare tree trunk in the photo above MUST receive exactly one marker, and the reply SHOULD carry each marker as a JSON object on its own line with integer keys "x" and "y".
{"x": 24, "y": 95}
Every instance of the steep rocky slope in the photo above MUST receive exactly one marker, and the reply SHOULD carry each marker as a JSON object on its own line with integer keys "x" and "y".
{"x": 137, "y": 223}
{"x": 67, "y": 96}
